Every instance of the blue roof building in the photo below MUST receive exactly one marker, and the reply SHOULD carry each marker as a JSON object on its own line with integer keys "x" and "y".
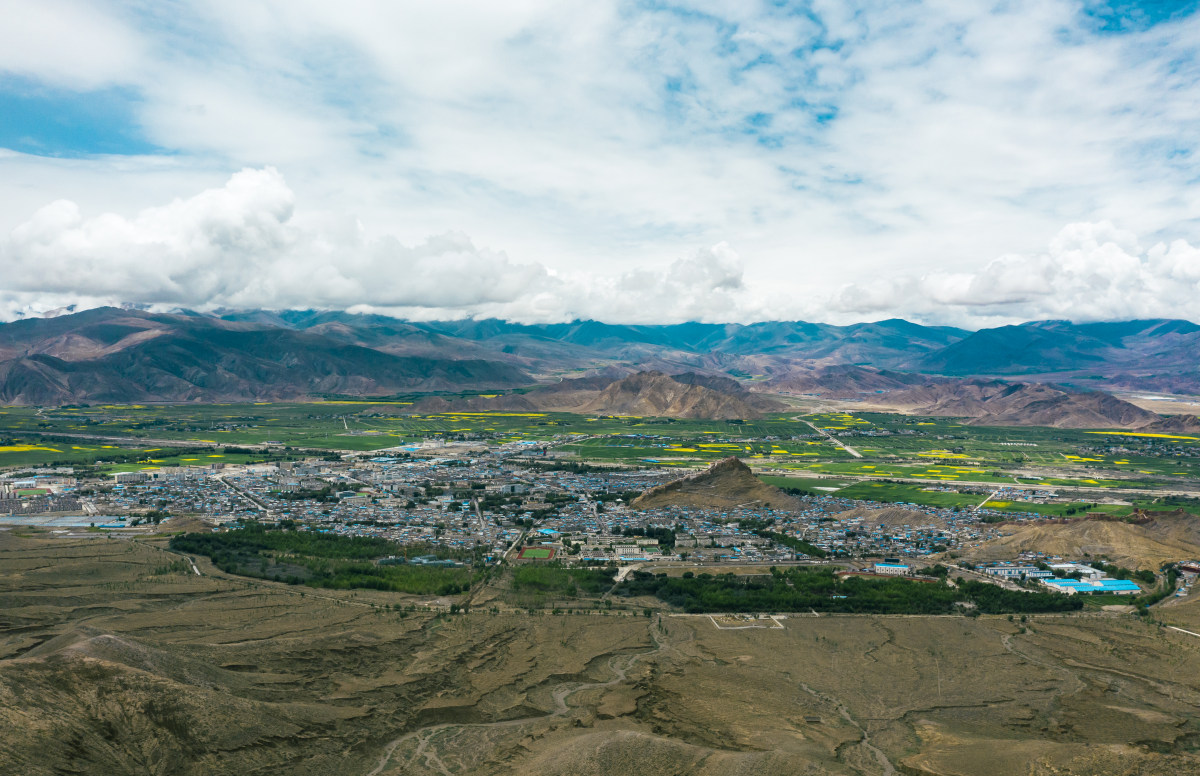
{"x": 1109, "y": 586}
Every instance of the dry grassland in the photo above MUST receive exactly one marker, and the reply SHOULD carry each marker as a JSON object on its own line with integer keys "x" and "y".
{"x": 109, "y": 667}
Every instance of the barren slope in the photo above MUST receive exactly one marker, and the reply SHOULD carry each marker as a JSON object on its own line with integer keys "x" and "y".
{"x": 1166, "y": 537}
{"x": 655, "y": 394}
{"x": 726, "y": 483}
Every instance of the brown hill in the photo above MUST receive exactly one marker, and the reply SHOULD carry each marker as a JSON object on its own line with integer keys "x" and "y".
{"x": 644, "y": 393}
{"x": 843, "y": 380}
{"x": 1175, "y": 424}
{"x": 725, "y": 484}
{"x": 1161, "y": 538}
{"x": 997, "y": 403}
{"x": 1045, "y": 406}
{"x": 891, "y": 517}
{"x": 955, "y": 398}
{"x": 655, "y": 394}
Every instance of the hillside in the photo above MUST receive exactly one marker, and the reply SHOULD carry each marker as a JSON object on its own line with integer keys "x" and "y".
{"x": 997, "y": 403}
{"x": 725, "y": 484}
{"x": 892, "y": 517}
{"x": 111, "y": 355}
{"x": 1064, "y": 410}
{"x": 1163, "y": 537}
{"x": 844, "y": 381}
{"x": 642, "y": 394}
{"x": 1175, "y": 424}
{"x": 1149, "y": 354}
{"x": 656, "y": 394}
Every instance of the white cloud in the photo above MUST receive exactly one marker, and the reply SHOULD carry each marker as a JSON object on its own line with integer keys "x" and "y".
{"x": 1089, "y": 272}
{"x": 899, "y": 148}
{"x": 245, "y": 245}
{"x": 66, "y": 43}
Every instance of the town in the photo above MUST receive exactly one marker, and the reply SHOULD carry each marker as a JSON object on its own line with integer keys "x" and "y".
{"x": 515, "y": 503}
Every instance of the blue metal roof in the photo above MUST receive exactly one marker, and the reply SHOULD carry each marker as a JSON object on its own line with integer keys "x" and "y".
{"x": 1098, "y": 586}
{"x": 1118, "y": 584}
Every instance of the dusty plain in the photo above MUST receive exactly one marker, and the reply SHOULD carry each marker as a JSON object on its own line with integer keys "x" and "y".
{"x": 117, "y": 658}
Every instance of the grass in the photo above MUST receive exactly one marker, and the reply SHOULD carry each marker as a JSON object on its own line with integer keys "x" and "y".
{"x": 894, "y": 493}
{"x": 536, "y": 553}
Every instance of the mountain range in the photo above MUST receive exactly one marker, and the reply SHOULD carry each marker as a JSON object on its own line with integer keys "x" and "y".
{"x": 122, "y": 355}
{"x": 111, "y": 354}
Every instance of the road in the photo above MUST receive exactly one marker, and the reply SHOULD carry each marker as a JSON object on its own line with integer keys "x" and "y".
{"x": 1181, "y": 630}
{"x": 252, "y": 499}
{"x": 130, "y": 441}
{"x": 834, "y": 439}
{"x": 991, "y": 496}
{"x": 989, "y": 578}
{"x": 516, "y": 545}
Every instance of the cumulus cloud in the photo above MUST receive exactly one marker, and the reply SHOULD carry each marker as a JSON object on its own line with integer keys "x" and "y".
{"x": 245, "y": 245}
{"x": 1089, "y": 272}
{"x": 248, "y": 244}
{"x": 826, "y": 143}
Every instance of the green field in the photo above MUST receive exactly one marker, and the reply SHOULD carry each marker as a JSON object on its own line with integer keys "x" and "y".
{"x": 536, "y": 553}
{"x": 940, "y": 451}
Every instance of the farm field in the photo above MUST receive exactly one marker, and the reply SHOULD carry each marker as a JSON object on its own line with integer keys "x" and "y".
{"x": 895, "y": 493}
{"x": 115, "y": 458}
{"x": 937, "y": 450}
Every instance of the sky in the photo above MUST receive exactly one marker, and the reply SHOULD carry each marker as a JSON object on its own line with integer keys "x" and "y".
{"x": 947, "y": 161}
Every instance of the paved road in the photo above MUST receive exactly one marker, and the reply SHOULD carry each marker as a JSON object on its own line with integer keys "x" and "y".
{"x": 252, "y": 499}
{"x": 834, "y": 439}
{"x": 991, "y": 496}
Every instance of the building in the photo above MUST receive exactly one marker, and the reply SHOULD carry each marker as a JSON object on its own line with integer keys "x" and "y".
{"x": 892, "y": 569}
{"x": 1011, "y": 571}
{"x": 1093, "y": 586}
{"x": 1085, "y": 572}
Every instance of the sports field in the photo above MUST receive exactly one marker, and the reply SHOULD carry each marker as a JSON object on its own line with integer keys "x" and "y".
{"x": 536, "y": 553}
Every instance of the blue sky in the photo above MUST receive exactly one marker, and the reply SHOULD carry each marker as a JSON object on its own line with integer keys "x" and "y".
{"x": 954, "y": 161}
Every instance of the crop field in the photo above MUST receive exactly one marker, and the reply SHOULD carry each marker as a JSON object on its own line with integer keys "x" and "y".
{"x": 662, "y": 449}
{"x": 894, "y": 493}
{"x": 940, "y": 451}
{"x": 114, "y": 458}
{"x": 344, "y": 425}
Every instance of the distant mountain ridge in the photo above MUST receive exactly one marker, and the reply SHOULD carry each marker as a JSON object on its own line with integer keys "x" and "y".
{"x": 1159, "y": 354}
{"x": 110, "y": 354}
{"x": 119, "y": 355}
{"x": 1041, "y": 347}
